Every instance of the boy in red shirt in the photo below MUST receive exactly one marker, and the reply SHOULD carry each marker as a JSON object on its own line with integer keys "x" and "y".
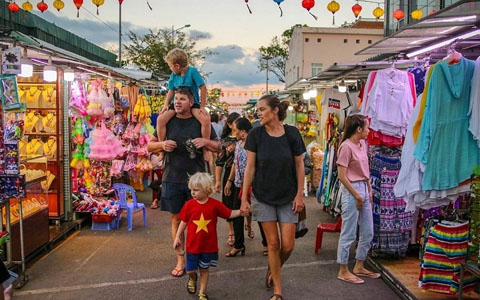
{"x": 199, "y": 215}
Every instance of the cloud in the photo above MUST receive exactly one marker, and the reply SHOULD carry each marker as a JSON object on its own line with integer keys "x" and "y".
{"x": 102, "y": 34}
{"x": 200, "y": 35}
{"x": 234, "y": 66}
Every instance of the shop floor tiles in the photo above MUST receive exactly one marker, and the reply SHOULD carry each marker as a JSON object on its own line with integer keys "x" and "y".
{"x": 407, "y": 270}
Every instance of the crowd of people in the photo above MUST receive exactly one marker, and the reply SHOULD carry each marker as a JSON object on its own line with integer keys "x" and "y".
{"x": 259, "y": 170}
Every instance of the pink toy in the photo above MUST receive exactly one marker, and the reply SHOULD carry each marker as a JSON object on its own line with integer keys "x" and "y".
{"x": 94, "y": 98}
{"x": 78, "y": 101}
{"x": 105, "y": 145}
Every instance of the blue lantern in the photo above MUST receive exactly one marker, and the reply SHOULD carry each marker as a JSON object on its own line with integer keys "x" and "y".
{"x": 279, "y": 2}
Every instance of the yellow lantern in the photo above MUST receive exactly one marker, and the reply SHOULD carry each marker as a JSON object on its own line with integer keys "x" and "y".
{"x": 27, "y": 6}
{"x": 417, "y": 14}
{"x": 378, "y": 12}
{"x": 58, "y": 4}
{"x": 98, "y": 3}
{"x": 333, "y": 7}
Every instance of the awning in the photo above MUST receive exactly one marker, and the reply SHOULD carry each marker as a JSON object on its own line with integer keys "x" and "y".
{"x": 445, "y": 25}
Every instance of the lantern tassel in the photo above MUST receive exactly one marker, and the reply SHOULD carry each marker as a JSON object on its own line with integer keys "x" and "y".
{"x": 314, "y": 16}
{"x": 97, "y": 11}
{"x": 281, "y": 11}
{"x": 149, "y": 6}
{"x": 333, "y": 19}
{"x": 78, "y": 13}
{"x": 249, "y": 10}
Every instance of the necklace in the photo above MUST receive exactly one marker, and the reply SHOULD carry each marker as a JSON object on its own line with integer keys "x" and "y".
{"x": 29, "y": 120}
{"x": 49, "y": 120}
{"x": 32, "y": 146}
{"x": 49, "y": 148}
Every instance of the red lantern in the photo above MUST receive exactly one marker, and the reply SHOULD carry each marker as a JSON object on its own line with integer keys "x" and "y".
{"x": 308, "y": 5}
{"x": 42, "y": 6}
{"x": 120, "y": 2}
{"x": 248, "y": 6}
{"x": 13, "y": 7}
{"x": 398, "y": 14}
{"x": 357, "y": 8}
{"x": 78, "y": 4}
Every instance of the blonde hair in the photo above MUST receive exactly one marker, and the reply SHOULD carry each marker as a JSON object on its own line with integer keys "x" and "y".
{"x": 202, "y": 182}
{"x": 177, "y": 56}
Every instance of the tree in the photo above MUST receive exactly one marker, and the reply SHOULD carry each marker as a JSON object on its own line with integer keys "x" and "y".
{"x": 277, "y": 52}
{"x": 148, "y": 51}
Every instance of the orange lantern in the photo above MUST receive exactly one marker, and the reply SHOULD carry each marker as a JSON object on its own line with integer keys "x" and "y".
{"x": 98, "y": 3}
{"x": 357, "y": 8}
{"x": 378, "y": 12}
{"x": 58, "y": 4}
{"x": 78, "y": 4}
{"x": 27, "y": 6}
{"x": 398, "y": 14}
{"x": 13, "y": 7}
{"x": 416, "y": 14}
{"x": 42, "y": 6}
{"x": 333, "y": 7}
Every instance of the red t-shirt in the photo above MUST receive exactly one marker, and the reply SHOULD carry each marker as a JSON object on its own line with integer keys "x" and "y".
{"x": 201, "y": 222}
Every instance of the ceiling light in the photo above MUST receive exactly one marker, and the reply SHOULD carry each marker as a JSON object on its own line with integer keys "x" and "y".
{"x": 342, "y": 88}
{"x": 313, "y": 93}
{"x": 68, "y": 74}
{"x": 27, "y": 68}
{"x": 49, "y": 72}
{"x": 444, "y": 43}
{"x": 290, "y": 108}
{"x": 306, "y": 95}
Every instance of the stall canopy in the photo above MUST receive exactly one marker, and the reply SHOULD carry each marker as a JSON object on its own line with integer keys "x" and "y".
{"x": 457, "y": 24}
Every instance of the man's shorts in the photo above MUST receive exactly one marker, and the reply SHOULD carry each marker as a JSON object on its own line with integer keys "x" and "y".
{"x": 201, "y": 261}
{"x": 174, "y": 196}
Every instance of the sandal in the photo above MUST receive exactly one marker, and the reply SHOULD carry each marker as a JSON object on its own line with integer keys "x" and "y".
{"x": 268, "y": 281}
{"x": 368, "y": 274}
{"x": 276, "y": 297}
{"x": 352, "y": 280}
{"x": 231, "y": 240}
{"x": 154, "y": 204}
{"x": 178, "y": 272}
{"x": 248, "y": 229}
{"x": 192, "y": 284}
{"x": 265, "y": 252}
{"x": 202, "y": 297}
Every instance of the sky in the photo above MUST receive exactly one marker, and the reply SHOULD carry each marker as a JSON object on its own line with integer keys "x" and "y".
{"x": 222, "y": 25}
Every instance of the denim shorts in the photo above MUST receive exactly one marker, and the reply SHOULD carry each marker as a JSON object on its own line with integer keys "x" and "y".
{"x": 174, "y": 196}
{"x": 201, "y": 261}
{"x": 263, "y": 212}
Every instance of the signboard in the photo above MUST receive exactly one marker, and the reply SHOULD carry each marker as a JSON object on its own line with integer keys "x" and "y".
{"x": 11, "y": 61}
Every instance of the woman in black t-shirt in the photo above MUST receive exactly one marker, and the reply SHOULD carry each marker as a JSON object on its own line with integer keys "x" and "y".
{"x": 275, "y": 169}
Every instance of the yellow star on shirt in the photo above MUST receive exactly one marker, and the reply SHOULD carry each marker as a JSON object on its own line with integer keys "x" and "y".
{"x": 201, "y": 224}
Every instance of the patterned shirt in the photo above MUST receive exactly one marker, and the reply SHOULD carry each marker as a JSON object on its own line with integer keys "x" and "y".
{"x": 240, "y": 162}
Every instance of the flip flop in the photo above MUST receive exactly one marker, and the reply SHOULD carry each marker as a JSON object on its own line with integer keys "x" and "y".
{"x": 268, "y": 282}
{"x": 369, "y": 275}
{"x": 355, "y": 281}
{"x": 154, "y": 205}
{"x": 178, "y": 272}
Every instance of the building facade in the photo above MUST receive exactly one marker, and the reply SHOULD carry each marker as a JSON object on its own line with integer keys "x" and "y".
{"x": 313, "y": 49}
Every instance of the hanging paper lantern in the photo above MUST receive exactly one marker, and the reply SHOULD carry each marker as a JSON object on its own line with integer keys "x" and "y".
{"x": 98, "y": 3}
{"x": 398, "y": 14}
{"x": 248, "y": 6}
{"x": 120, "y": 2}
{"x": 13, "y": 7}
{"x": 279, "y": 2}
{"x": 27, "y": 6}
{"x": 308, "y": 5}
{"x": 378, "y": 12}
{"x": 357, "y": 8}
{"x": 432, "y": 12}
{"x": 58, "y": 4}
{"x": 333, "y": 7}
{"x": 42, "y": 6}
{"x": 78, "y": 4}
{"x": 416, "y": 14}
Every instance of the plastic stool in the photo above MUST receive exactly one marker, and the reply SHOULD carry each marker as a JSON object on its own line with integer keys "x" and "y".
{"x": 121, "y": 191}
{"x": 326, "y": 227}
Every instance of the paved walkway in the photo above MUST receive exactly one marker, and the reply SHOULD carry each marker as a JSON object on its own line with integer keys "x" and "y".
{"x": 136, "y": 265}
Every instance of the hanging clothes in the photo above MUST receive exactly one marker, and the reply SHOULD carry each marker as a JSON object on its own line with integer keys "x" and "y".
{"x": 445, "y": 145}
{"x": 419, "y": 73}
{"x": 335, "y": 102}
{"x": 474, "y": 110}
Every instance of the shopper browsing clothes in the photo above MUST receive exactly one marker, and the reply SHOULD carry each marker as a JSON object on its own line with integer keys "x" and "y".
{"x": 354, "y": 174}
{"x": 199, "y": 217}
{"x": 224, "y": 164}
{"x": 241, "y": 127}
{"x": 275, "y": 169}
{"x": 183, "y": 158}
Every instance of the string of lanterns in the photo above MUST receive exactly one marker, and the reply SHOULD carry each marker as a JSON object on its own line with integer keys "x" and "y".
{"x": 58, "y": 4}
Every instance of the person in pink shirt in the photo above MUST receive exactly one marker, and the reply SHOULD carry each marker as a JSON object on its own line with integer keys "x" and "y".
{"x": 354, "y": 174}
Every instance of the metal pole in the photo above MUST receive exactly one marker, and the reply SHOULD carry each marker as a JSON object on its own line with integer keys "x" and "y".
{"x": 267, "y": 77}
{"x": 173, "y": 35}
{"x": 119, "y": 35}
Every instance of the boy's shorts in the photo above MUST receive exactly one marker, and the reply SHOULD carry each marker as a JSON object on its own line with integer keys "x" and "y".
{"x": 202, "y": 261}
{"x": 195, "y": 105}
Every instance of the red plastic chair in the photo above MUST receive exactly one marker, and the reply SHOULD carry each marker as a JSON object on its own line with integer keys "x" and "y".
{"x": 326, "y": 227}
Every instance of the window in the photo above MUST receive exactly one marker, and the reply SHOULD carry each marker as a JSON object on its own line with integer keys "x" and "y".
{"x": 357, "y": 41}
{"x": 316, "y": 68}
{"x": 345, "y": 41}
{"x": 319, "y": 40}
{"x": 307, "y": 40}
{"x": 369, "y": 42}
